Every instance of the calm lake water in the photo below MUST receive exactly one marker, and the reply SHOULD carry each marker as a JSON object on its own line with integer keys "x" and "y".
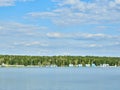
{"x": 59, "y": 78}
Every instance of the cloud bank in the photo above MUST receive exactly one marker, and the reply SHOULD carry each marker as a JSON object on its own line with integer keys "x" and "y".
{"x": 70, "y": 12}
{"x": 10, "y": 2}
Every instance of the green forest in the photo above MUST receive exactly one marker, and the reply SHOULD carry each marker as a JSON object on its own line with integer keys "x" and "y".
{"x": 58, "y": 60}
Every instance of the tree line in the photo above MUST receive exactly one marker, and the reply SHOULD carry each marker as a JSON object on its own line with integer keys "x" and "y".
{"x": 58, "y": 60}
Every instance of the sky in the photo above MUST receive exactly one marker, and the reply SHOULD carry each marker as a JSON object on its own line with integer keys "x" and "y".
{"x": 60, "y": 27}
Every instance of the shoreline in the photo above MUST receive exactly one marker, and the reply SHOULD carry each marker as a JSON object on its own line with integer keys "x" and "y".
{"x": 33, "y": 66}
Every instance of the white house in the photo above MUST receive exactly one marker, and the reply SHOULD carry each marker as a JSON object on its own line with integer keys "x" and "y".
{"x": 93, "y": 65}
{"x": 71, "y": 65}
{"x": 104, "y": 65}
{"x": 87, "y": 65}
{"x": 79, "y": 65}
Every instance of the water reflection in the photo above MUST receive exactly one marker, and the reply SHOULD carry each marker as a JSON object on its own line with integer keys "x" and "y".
{"x": 59, "y": 78}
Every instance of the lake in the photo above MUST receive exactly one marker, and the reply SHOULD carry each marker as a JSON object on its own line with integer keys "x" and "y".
{"x": 60, "y": 78}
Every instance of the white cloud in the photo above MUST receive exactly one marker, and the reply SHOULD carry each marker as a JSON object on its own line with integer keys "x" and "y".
{"x": 15, "y": 27}
{"x": 82, "y": 36}
{"x": 55, "y": 35}
{"x": 117, "y": 1}
{"x": 94, "y": 45}
{"x": 10, "y": 2}
{"x": 28, "y": 44}
{"x": 1, "y": 28}
{"x": 43, "y": 14}
{"x": 70, "y": 12}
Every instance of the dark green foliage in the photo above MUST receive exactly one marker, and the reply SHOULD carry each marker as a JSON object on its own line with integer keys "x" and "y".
{"x": 58, "y": 60}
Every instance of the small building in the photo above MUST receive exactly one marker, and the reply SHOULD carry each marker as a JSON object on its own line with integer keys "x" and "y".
{"x": 87, "y": 65}
{"x": 71, "y": 65}
{"x": 115, "y": 65}
{"x": 79, "y": 65}
{"x": 53, "y": 65}
{"x": 3, "y": 65}
{"x": 104, "y": 65}
{"x": 93, "y": 65}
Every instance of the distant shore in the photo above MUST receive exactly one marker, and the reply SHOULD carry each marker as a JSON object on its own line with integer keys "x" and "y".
{"x": 52, "y": 66}
{"x": 58, "y": 61}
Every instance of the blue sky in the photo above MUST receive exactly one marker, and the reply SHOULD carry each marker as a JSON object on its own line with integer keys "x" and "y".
{"x": 60, "y": 27}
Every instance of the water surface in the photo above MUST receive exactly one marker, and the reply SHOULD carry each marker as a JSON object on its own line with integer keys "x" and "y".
{"x": 59, "y": 78}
